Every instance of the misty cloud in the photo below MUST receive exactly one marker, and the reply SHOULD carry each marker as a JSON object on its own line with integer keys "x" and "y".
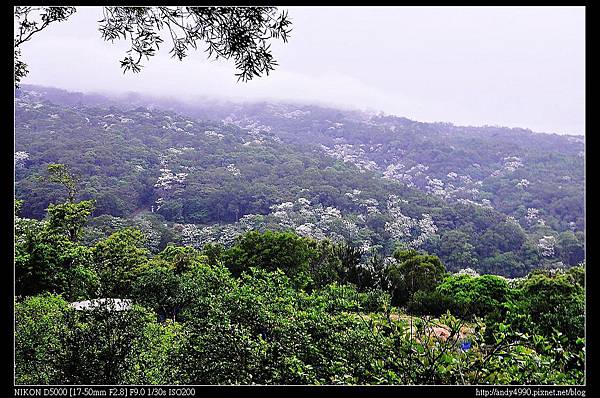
{"x": 511, "y": 66}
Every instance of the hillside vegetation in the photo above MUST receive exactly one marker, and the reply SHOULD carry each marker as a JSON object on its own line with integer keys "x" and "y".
{"x": 502, "y": 201}
{"x": 159, "y": 242}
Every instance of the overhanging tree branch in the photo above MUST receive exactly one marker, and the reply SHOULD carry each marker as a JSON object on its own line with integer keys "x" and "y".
{"x": 238, "y": 33}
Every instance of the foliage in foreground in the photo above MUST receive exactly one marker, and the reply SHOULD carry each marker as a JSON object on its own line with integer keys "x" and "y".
{"x": 260, "y": 330}
{"x": 280, "y": 309}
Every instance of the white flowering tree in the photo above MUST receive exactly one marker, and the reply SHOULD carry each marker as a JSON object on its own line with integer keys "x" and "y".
{"x": 412, "y": 231}
{"x": 547, "y": 245}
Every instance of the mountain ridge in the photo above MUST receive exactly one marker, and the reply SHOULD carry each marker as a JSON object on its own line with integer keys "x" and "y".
{"x": 372, "y": 179}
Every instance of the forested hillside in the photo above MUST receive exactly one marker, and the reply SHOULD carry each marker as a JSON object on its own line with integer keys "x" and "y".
{"x": 165, "y": 243}
{"x": 497, "y": 200}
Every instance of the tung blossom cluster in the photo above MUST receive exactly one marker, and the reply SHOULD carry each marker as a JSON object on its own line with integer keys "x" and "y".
{"x": 319, "y": 222}
{"x": 301, "y": 216}
{"x": 367, "y": 205}
{"x": 213, "y": 134}
{"x": 233, "y": 170}
{"x": 484, "y": 202}
{"x": 533, "y": 216}
{"x": 546, "y": 246}
{"x": 457, "y": 187}
{"x": 258, "y": 133}
{"x": 468, "y": 271}
{"x": 167, "y": 179}
{"x": 510, "y": 164}
{"x": 415, "y": 232}
{"x": 20, "y": 158}
{"x": 351, "y": 154}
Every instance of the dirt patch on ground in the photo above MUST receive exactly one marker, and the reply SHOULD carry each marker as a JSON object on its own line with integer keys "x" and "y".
{"x": 435, "y": 329}
{"x": 439, "y": 330}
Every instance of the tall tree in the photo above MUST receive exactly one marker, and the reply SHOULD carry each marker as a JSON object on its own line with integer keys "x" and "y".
{"x": 414, "y": 272}
{"x": 62, "y": 174}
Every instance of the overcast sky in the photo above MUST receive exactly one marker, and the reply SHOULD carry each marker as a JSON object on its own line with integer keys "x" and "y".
{"x": 509, "y": 66}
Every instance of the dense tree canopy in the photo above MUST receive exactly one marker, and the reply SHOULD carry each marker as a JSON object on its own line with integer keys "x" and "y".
{"x": 197, "y": 181}
{"x": 194, "y": 321}
{"x": 247, "y": 254}
{"x": 414, "y": 272}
